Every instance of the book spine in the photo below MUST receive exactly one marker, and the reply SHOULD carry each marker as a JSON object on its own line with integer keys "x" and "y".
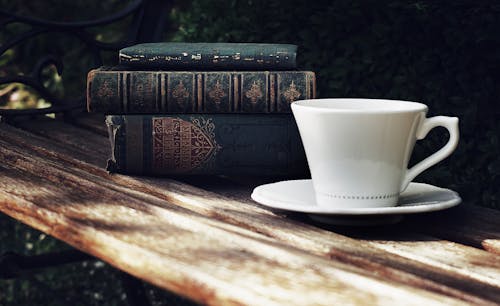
{"x": 159, "y": 92}
{"x": 210, "y": 56}
{"x": 206, "y": 145}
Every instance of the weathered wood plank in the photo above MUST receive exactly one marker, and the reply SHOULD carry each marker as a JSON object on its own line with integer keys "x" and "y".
{"x": 478, "y": 227}
{"x": 56, "y": 148}
{"x": 202, "y": 258}
{"x": 92, "y": 122}
{"x": 478, "y": 265}
{"x": 475, "y": 226}
{"x": 471, "y": 225}
{"x": 474, "y": 265}
{"x": 309, "y": 238}
{"x": 87, "y": 142}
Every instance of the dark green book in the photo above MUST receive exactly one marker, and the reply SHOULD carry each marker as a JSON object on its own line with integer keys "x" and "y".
{"x": 201, "y": 56}
{"x": 116, "y": 91}
{"x": 261, "y": 145}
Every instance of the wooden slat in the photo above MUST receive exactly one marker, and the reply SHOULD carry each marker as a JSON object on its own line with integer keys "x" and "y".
{"x": 210, "y": 261}
{"x": 475, "y": 264}
{"x": 404, "y": 240}
{"x": 327, "y": 244}
{"x": 41, "y": 145}
{"x": 475, "y": 226}
{"x": 471, "y": 225}
{"x": 87, "y": 142}
{"x": 92, "y": 122}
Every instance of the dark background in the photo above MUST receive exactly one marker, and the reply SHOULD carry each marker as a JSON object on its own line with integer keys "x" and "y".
{"x": 445, "y": 54}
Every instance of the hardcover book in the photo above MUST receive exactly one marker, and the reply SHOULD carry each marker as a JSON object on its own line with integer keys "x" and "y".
{"x": 261, "y": 145}
{"x": 226, "y": 56}
{"x": 116, "y": 91}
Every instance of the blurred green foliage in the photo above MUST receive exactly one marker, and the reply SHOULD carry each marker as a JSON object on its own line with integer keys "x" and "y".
{"x": 75, "y": 56}
{"x": 60, "y": 286}
{"x": 88, "y": 283}
{"x": 442, "y": 53}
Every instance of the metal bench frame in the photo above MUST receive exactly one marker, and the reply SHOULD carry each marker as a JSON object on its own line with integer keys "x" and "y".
{"x": 148, "y": 23}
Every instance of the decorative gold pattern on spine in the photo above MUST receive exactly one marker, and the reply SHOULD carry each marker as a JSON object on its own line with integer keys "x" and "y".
{"x": 104, "y": 91}
{"x": 291, "y": 94}
{"x": 254, "y": 93}
{"x": 159, "y": 92}
{"x": 180, "y": 94}
{"x": 217, "y": 93}
{"x": 180, "y": 146}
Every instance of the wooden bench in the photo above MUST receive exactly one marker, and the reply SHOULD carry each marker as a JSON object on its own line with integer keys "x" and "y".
{"x": 207, "y": 240}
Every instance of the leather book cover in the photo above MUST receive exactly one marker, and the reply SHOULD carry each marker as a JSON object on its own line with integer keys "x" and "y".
{"x": 116, "y": 91}
{"x": 200, "y": 56}
{"x": 260, "y": 145}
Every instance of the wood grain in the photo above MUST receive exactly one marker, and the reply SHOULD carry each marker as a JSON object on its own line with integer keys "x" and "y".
{"x": 475, "y": 226}
{"x": 450, "y": 263}
{"x": 475, "y": 265}
{"x": 68, "y": 135}
{"x": 91, "y": 122}
{"x": 396, "y": 266}
{"x": 210, "y": 261}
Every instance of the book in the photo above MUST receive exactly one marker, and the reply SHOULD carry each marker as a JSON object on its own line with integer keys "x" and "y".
{"x": 182, "y": 144}
{"x": 225, "y": 56}
{"x": 117, "y": 91}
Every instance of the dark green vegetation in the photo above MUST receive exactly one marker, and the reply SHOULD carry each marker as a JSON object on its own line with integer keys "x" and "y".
{"x": 442, "y": 53}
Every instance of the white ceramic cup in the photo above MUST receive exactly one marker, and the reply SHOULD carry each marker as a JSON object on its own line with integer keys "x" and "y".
{"x": 358, "y": 149}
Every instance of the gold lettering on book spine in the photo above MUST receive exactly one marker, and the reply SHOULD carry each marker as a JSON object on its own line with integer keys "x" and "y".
{"x": 291, "y": 94}
{"x": 179, "y": 146}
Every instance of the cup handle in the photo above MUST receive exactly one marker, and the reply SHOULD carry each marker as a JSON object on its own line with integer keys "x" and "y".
{"x": 451, "y": 124}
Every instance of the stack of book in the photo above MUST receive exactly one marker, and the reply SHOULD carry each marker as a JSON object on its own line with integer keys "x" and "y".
{"x": 203, "y": 108}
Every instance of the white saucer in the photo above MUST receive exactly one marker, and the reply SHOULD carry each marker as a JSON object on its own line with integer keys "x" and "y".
{"x": 298, "y": 196}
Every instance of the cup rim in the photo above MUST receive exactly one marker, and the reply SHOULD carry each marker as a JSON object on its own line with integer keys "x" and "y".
{"x": 380, "y": 106}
